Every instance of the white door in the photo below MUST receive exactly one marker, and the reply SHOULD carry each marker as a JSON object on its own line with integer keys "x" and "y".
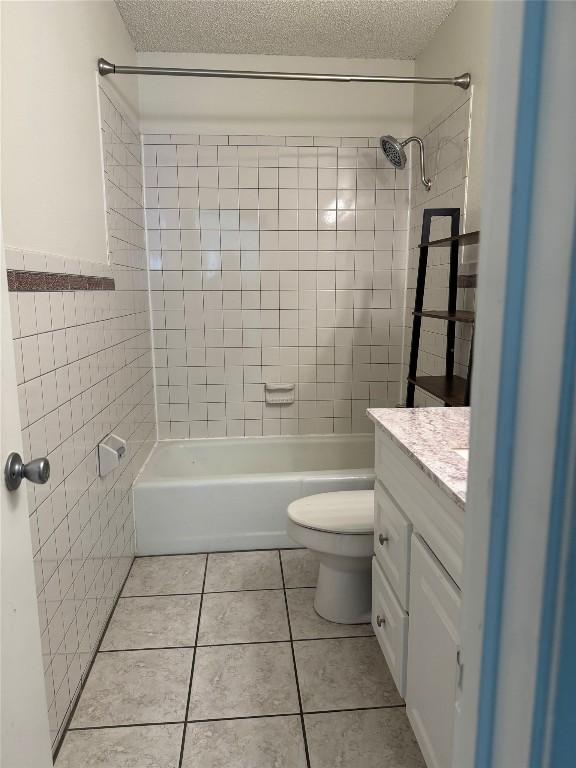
{"x": 24, "y": 732}
{"x": 432, "y": 656}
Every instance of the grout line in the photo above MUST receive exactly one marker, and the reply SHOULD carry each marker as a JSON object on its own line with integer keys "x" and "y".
{"x": 353, "y": 709}
{"x": 295, "y": 714}
{"x": 224, "y": 551}
{"x": 149, "y": 648}
{"x": 232, "y": 719}
{"x": 244, "y": 717}
{"x": 161, "y": 594}
{"x": 235, "y": 591}
{"x": 302, "y": 723}
{"x": 181, "y": 758}
{"x": 126, "y": 725}
{"x": 284, "y": 641}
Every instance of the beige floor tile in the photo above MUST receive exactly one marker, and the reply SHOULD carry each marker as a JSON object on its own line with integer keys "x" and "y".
{"x": 264, "y": 742}
{"x": 243, "y": 617}
{"x": 300, "y": 567}
{"x": 373, "y": 738}
{"x": 229, "y": 571}
{"x": 174, "y": 575}
{"x": 343, "y": 674}
{"x": 151, "y": 746}
{"x": 152, "y": 622}
{"x": 306, "y": 624}
{"x": 134, "y": 687}
{"x": 243, "y": 681}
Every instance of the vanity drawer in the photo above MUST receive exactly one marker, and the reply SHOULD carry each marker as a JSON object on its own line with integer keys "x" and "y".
{"x": 392, "y": 543}
{"x": 390, "y": 625}
{"x": 436, "y": 517}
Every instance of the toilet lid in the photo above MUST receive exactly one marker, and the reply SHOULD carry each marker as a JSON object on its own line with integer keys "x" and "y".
{"x": 339, "y": 512}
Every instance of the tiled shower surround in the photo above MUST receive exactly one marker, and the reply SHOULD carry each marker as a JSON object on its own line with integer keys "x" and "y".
{"x": 84, "y": 369}
{"x": 446, "y": 148}
{"x": 274, "y": 260}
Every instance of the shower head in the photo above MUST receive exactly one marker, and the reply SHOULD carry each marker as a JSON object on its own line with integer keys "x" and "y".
{"x": 394, "y": 151}
{"x": 393, "y": 148}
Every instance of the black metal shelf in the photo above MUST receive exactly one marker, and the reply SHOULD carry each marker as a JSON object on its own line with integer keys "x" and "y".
{"x": 452, "y": 390}
{"x": 464, "y": 238}
{"x": 460, "y": 316}
{"x": 467, "y": 281}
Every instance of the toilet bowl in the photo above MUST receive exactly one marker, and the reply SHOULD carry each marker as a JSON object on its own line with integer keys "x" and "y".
{"x": 339, "y": 528}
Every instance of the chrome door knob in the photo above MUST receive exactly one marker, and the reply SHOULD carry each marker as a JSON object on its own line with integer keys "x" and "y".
{"x": 383, "y": 539}
{"x": 37, "y": 471}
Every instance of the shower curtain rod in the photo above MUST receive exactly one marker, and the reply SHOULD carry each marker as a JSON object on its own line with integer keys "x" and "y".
{"x": 106, "y": 68}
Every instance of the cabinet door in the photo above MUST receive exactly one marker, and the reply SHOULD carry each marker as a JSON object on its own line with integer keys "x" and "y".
{"x": 432, "y": 668}
{"x": 390, "y": 625}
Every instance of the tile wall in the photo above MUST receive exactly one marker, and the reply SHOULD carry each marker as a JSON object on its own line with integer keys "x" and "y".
{"x": 446, "y": 147}
{"x": 84, "y": 368}
{"x": 274, "y": 260}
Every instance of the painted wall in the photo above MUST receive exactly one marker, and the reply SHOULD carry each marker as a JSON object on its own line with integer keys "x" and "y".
{"x": 208, "y": 105}
{"x": 462, "y": 44}
{"x": 52, "y": 183}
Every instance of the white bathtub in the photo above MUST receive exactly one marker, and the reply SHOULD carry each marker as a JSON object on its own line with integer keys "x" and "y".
{"x": 231, "y": 493}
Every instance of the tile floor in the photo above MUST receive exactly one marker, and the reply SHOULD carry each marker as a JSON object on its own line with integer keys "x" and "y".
{"x": 219, "y": 661}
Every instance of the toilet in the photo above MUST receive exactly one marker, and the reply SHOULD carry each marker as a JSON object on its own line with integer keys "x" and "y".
{"x": 339, "y": 528}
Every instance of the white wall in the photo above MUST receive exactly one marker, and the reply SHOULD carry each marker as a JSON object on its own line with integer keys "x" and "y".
{"x": 52, "y": 182}
{"x": 462, "y": 44}
{"x": 209, "y": 105}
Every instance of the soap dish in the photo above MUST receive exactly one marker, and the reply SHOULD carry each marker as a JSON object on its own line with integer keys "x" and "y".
{"x": 279, "y": 394}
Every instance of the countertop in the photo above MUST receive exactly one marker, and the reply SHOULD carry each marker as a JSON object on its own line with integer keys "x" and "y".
{"x": 430, "y": 437}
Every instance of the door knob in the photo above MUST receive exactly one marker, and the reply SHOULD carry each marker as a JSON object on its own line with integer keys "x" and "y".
{"x": 37, "y": 471}
{"x": 383, "y": 539}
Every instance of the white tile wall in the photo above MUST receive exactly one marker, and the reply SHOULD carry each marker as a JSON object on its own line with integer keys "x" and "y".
{"x": 84, "y": 369}
{"x": 446, "y": 148}
{"x": 274, "y": 259}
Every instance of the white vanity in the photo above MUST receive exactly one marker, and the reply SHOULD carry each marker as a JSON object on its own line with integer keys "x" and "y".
{"x": 421, "y": 471}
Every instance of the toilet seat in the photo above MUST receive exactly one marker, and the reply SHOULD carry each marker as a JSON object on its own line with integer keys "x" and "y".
{"x": 340, "y": 512}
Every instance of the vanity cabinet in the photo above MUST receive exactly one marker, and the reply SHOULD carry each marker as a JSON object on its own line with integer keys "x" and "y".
{"x": 416, "y": 572}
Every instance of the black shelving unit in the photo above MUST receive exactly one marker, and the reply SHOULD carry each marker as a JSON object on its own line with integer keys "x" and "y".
{"x": 453, "y": 390}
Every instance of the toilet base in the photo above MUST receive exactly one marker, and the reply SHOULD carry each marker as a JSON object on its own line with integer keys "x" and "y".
{"x": 344, "y": 589}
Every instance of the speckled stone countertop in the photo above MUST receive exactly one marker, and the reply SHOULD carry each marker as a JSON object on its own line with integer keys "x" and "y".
{"x": 430, "y": 437}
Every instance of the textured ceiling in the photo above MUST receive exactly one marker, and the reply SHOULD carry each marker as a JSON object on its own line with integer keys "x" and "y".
{"x": 395, "y": 29}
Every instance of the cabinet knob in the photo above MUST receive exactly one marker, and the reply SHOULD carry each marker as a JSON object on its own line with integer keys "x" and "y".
{"x": 380, "y": 620}
{"x": 383, "y": 539}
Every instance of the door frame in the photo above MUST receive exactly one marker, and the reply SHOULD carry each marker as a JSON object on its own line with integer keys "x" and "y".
{"x": 522, "y": 427}
{"x": 24, "y": 727}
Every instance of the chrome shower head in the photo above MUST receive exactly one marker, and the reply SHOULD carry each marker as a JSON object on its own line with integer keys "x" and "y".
{"x": 393, "y": 148}
{"x": 394, "y": 151}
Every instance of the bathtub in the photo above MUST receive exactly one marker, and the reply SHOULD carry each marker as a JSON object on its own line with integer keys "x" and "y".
{"x": 220, "y": 494}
